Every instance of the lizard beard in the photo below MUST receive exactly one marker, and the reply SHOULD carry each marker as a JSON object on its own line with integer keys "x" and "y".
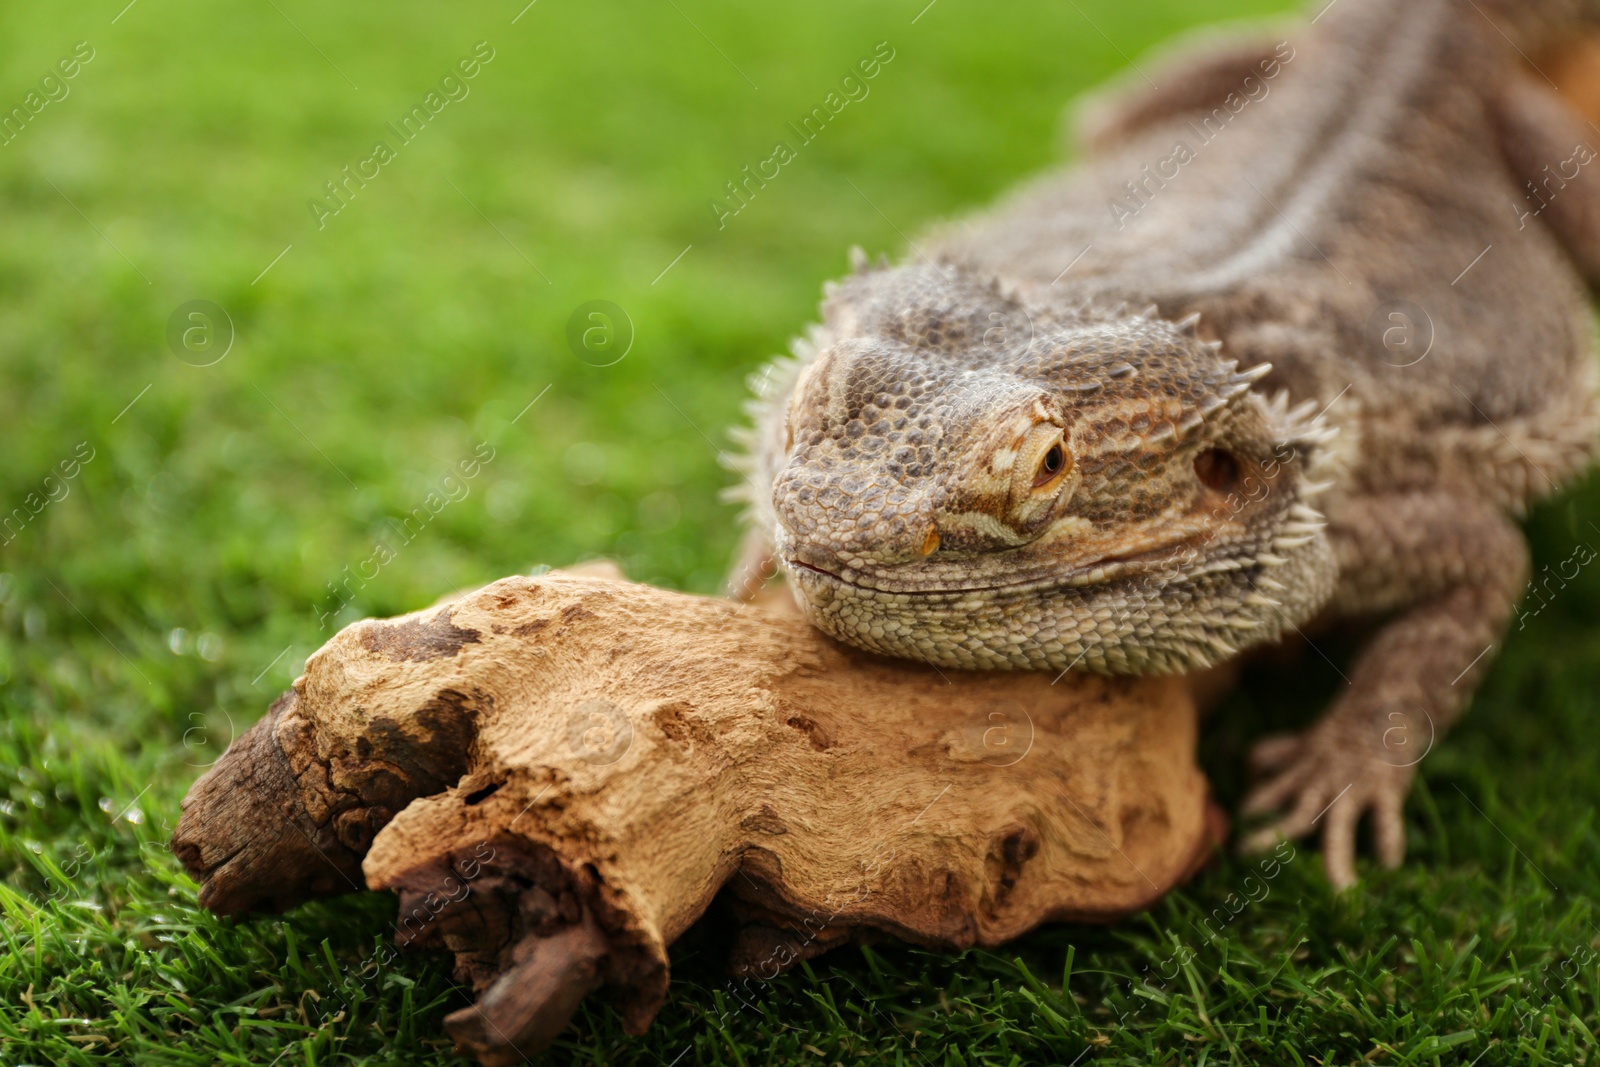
{"x": 1185, "y": 615}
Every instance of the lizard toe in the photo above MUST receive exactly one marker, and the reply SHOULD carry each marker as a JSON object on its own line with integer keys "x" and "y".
{"x": 1299, "y": 821}
{"x": 1389, "y": 827}
{"x": 1274, "y": 752}
{"x": 1339, "y": 841}
{"x": 1275, "y": 793}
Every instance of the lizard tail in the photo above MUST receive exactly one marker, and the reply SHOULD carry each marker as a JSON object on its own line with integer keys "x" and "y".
{"x": 1537, "y": 27}
{"x": 1552, "y": 35}
{"x": 1558, "y": 39}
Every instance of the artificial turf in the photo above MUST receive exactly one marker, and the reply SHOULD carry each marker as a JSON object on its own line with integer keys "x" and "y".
{"x": 153, "y": 602}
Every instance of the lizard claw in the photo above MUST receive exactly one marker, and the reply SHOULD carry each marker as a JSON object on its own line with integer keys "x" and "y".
{"x": 1317, "y": 778}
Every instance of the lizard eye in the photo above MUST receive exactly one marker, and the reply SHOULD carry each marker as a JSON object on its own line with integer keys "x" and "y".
{"x": 1217, "y": 470}
{"x": 1040, "y": 475}
{"x": 1052, "y": 465}
{"x": 1049, "y": 466}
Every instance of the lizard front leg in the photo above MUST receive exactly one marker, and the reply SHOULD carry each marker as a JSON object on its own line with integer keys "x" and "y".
{"x": 1453, "y": 568}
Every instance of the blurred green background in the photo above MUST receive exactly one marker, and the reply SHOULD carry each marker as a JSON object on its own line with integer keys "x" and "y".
{"x": 183, "y": 574}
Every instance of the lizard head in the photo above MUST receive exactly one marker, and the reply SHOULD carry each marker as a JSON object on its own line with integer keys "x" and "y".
{"x": 960, "y": 477}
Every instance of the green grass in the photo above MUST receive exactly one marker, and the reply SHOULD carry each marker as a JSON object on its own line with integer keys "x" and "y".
{"x": 154, "y": 611}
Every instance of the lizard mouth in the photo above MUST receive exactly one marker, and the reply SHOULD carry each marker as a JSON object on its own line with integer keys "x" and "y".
{"x": 1043, "y": 574}
{"x": 802, "y": 565}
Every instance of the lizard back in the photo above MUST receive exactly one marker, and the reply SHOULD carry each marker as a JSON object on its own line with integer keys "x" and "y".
{"x": 1309, "y": 215}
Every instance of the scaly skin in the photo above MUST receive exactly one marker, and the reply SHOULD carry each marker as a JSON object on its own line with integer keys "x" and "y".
{"x": 1313, "y": 365}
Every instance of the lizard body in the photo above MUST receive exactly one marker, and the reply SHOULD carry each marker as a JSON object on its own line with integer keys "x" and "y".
{"x": 1300, "y": 338}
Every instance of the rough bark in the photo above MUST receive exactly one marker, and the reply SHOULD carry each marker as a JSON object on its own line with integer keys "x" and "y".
{"x": 558, "y": 774}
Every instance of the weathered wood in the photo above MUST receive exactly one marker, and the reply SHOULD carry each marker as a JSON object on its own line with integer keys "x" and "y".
{"x": 590, "y": 762}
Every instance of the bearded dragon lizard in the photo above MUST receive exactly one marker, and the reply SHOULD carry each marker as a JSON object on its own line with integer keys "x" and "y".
{"x": 1299, "y": 339}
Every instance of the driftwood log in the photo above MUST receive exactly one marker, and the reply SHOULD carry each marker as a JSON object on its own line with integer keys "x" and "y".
{"x": 558, "y": 774}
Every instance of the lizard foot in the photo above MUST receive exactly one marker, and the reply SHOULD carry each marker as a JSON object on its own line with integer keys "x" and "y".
{"x": 1320, "y": 776}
